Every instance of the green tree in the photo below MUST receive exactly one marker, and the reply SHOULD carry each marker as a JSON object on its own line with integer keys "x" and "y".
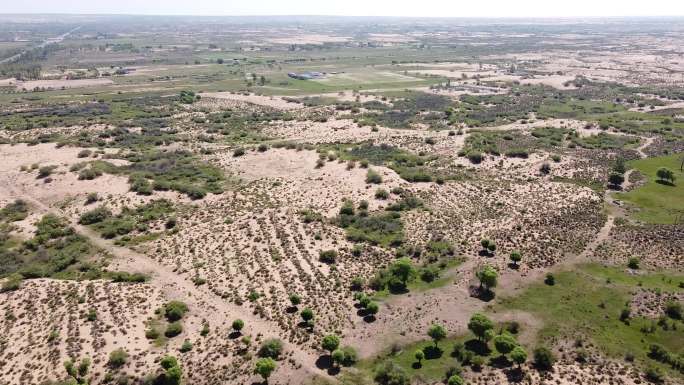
{"x": 479, "y": 324}
{"x": 485, "y": 243}
{"x": 420, "y": 355}
{"x": 265, "y": 367}
{"x": 437, "y": 333}
{"x": 330, "y": 342}
{"x": 505, "y": 343}
{"x": 403, "y": 269}
{"x": 168, "y": 362}
{"x": 307, "y": 315}
{"x": 516, "y": 257}
{"x": 665, "y": 174}
{"x": 337, "y": 356}
{"x": 238, "y": 324}
{"x": 615, "y": 179}
{"x": 295, "y": 299}
{"x": 488, "y": 277}
{"x": 519, "y": 355}
{"x": 372, "y": 308}
{"x": 364, "y": 300}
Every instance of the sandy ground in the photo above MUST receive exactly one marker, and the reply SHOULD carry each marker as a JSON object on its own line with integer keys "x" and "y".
{"x": 43, "y": 306}
{"x": 267, "y": 101}
{"x": 307, "y": 186}
{"x": 309, "y": 39}
{"x": 7, "y": 82}
{"x": 59, "y": 84}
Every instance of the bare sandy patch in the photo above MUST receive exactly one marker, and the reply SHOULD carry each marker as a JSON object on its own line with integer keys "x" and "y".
{"x": 8, "y": 82}
{"x": 276, "y": 102}
{"x": 303, "y": 185}
{"x": 309, "y": 39}
{"x": 60, "y": 84}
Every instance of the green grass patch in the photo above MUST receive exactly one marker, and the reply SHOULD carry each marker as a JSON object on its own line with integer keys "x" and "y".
{"x": 128, "y": 221}
{"x": 411, "y": 167}
{"x": 587, "y": 303}
{"x": 605, "y": 141}
{"x": 657, "y": 202}
{"x": 55, "y": 250}
{"x": 430, "y": 370}
{"x": 384, "y": 229}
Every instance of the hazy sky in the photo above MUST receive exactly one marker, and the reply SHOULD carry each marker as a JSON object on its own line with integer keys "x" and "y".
{"x": 455, "y": 8}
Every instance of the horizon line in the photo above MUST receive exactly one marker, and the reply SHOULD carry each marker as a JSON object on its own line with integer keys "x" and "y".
{"x": 342, "y": 16}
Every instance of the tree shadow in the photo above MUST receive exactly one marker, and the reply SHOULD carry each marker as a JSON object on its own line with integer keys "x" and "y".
{"x": 481, "y": 293}
{"x": 432, "y": 352}
{"x": 478, "y": 347}
{"x": 485, "y": 253}
{"x": 362, "y": 312}
{"x": 398, "y": 290}
{"x": 305, "y": 325}
{"x": 334, "y": 370}
{"x": 542, "y": 369}
{"x": 291, "y": 309}
{"x": 416, "y": 365}
{"x": 513, "y": 266}
{"x": 324, "y": 362}
{"x": 514, "y": 375}
{"x": 500, "y": 362}
{"x": 665, "y": 182}
{"x": 234, "y": 335}
{"x": 369, "y": 318}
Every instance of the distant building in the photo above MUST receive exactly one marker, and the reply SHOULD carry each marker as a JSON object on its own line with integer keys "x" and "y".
{"x": 306, "y": 75}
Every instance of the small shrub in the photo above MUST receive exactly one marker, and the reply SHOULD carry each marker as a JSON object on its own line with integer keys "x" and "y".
{"x": 327, "y": 256}
{"x": 545, "y": 168}
{"x": 92, "y": 198}
{"x": 271, "y": 348}
{"x": 186, "y": 347}
{"x": 550, "y": 279}
{"x": 654, "y": 374}
{"x": 12, "y": 283}
{"x": 373, "y": 177}
{"x": 151, "y": 334}
{"x": 238, "y": 152}
{"x": 117, "y": 358}
{"x": 381, "y": 193}
{"x": 633, "y": 263}
{"x": 544, "y": 358}
{"x": 45, "y": 171}
{"x": 175, "y": 310}
{"x": 95, "y": 216}
{"x": 84, "y": 153}
{"x": 173, "y": 329}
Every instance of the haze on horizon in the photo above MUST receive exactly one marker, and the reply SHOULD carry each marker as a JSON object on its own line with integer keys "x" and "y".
{"x": 426, "y": 8}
